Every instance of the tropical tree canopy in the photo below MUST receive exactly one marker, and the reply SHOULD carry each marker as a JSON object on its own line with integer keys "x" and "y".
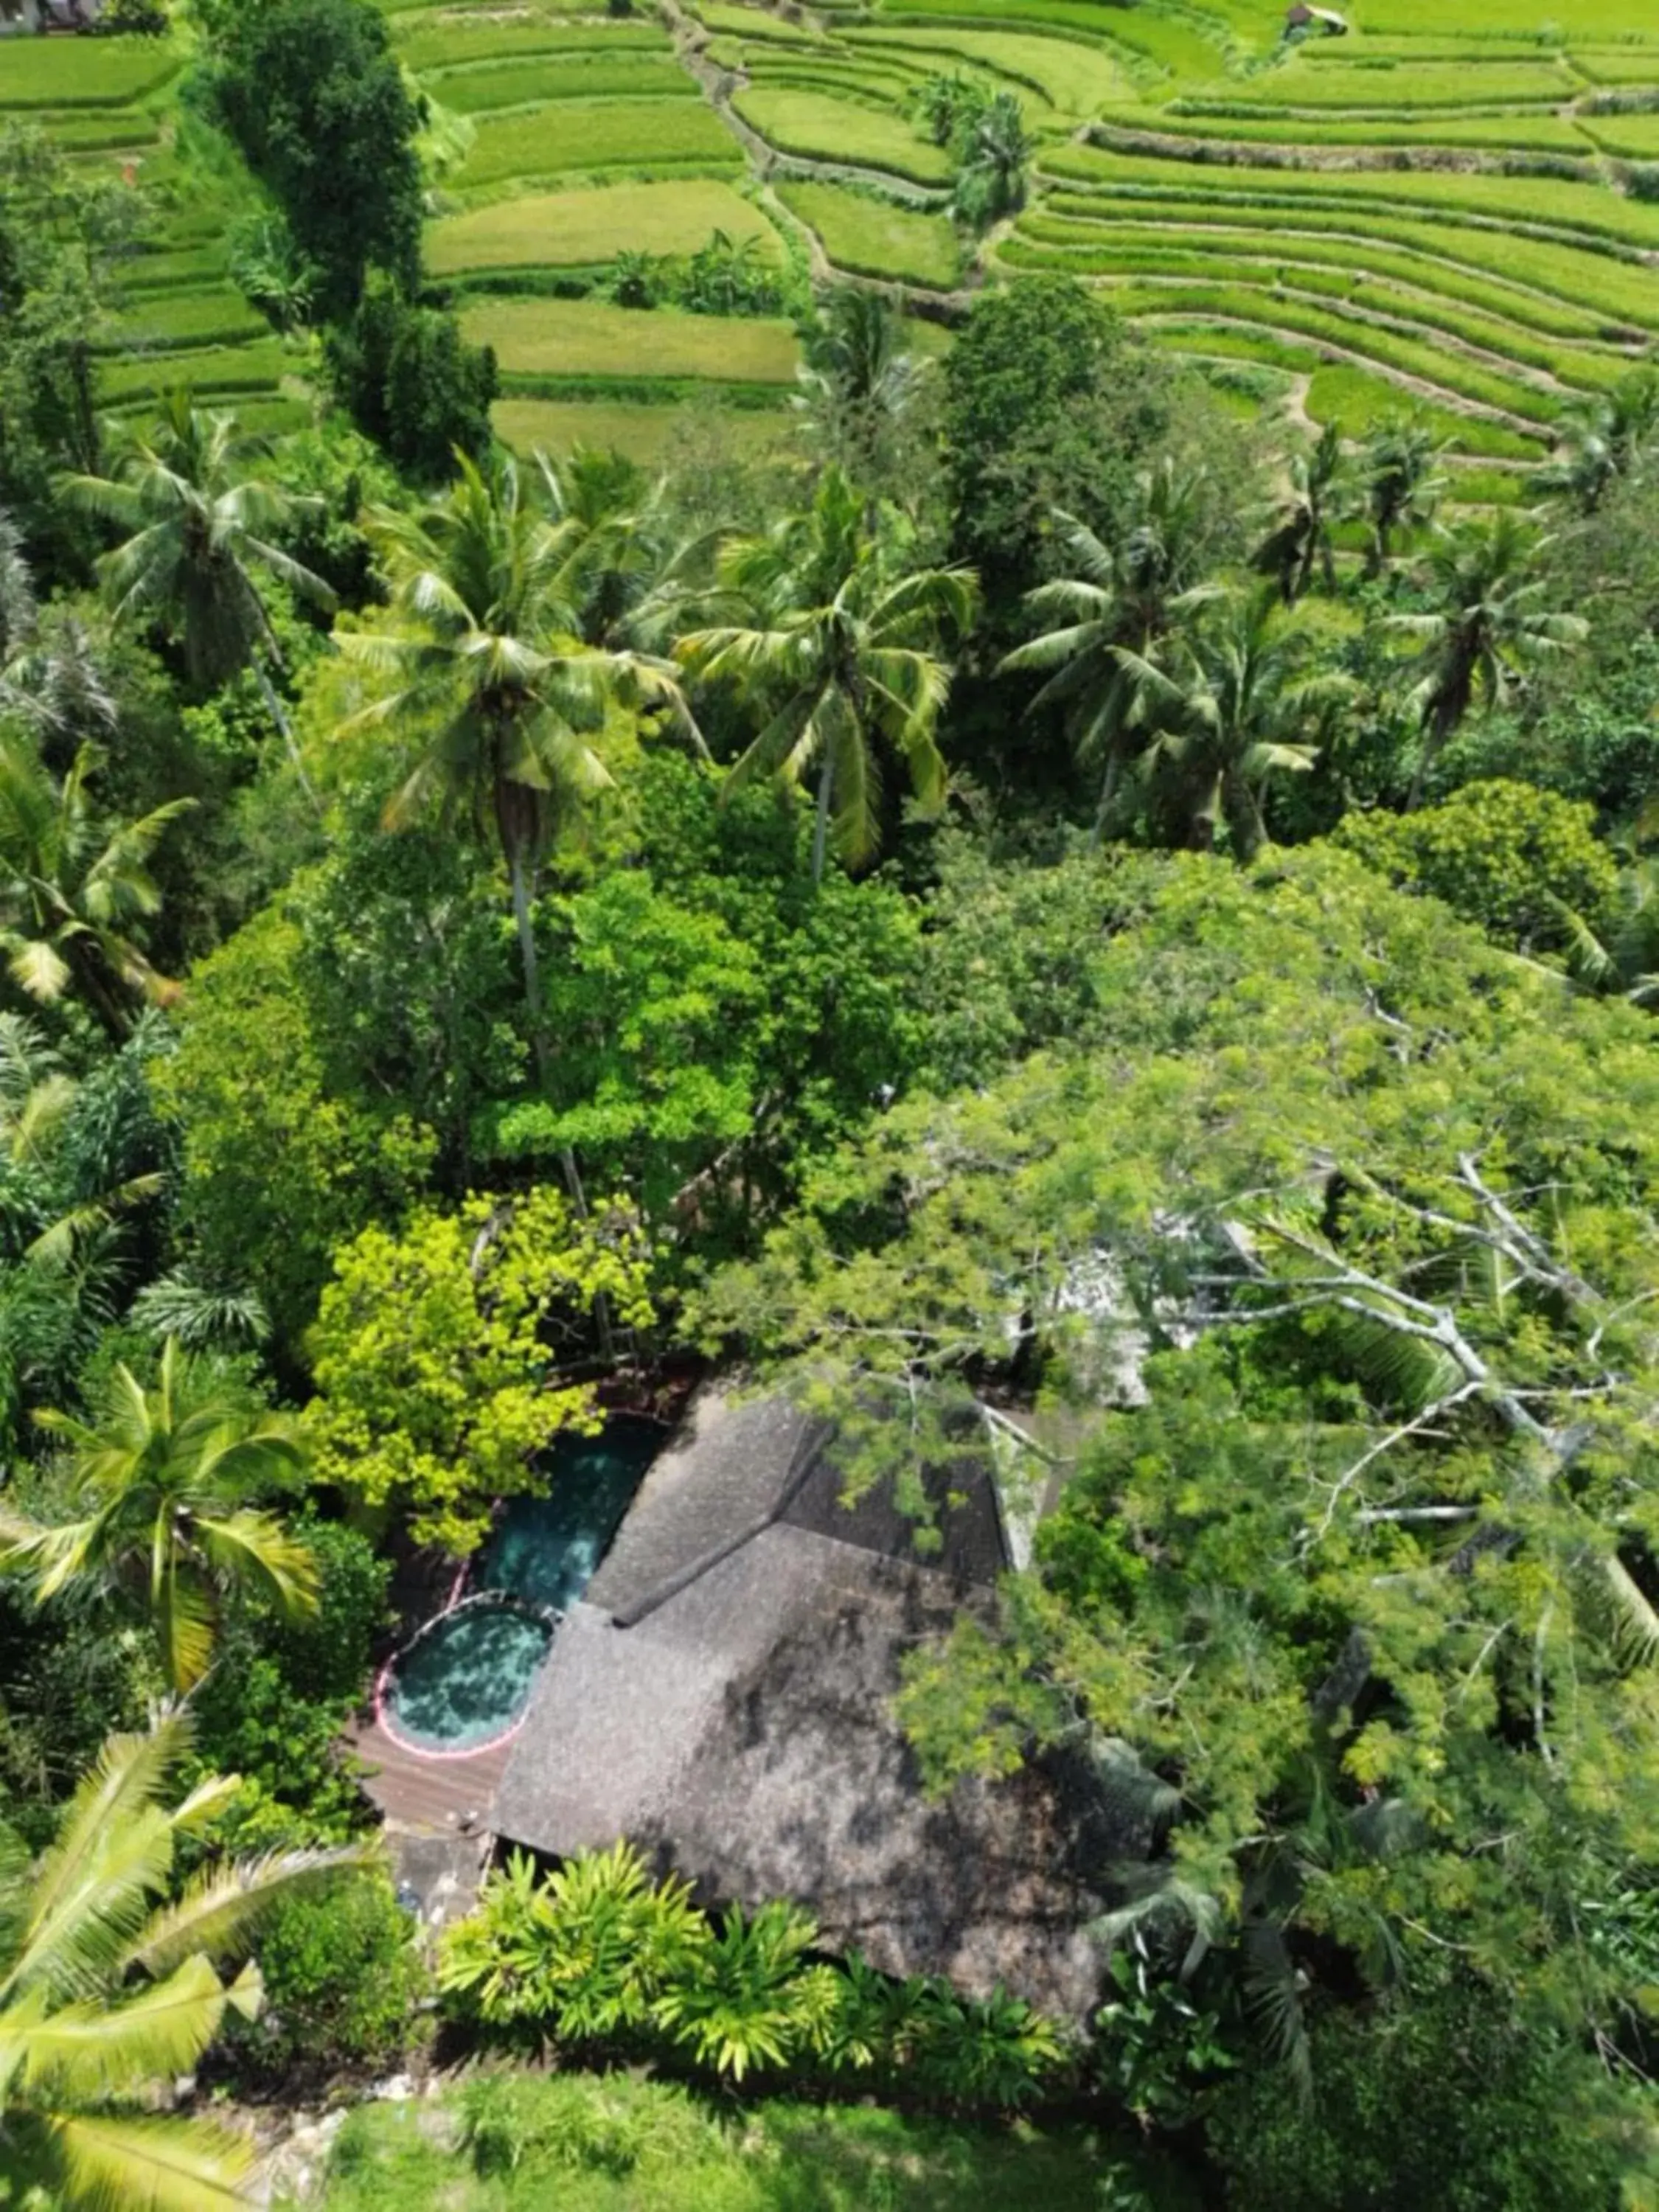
{"x": 73, "y": 883}
{"x": 1357, "y": 1220}
{"x": 841, "y": 645}
{"x": 1121, "y": 599}
{"x": 196, "y": 527}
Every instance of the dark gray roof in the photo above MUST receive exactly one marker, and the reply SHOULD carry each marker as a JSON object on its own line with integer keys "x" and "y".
{"x": 737, "y": 1721}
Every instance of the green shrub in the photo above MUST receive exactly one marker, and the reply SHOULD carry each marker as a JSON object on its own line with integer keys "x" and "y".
{"x": 1504, "y": 855}
{"x": 137, "y": 19}
{"x": 599, "y": 1953}
{"x": 583, "y": 1953}
{"x": 745, "y": 1998}
{"x": 1447, "y": 2102}
{"x": 343, "y": 1976}
{"x": 410, "y": 381}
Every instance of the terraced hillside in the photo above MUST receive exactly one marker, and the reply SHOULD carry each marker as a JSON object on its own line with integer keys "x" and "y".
{"x": 1461, "y": 214}
{"x": 584, "y": 143}
{"x": 111, "y": 101}
{"x": 1448, "y": 214}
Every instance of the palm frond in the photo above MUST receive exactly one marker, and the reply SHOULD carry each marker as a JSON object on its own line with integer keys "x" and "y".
{"x": 117, "y": 2164}
{"x": 222, "y": 1907}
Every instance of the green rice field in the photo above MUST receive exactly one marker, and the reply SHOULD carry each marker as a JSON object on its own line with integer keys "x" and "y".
{"x": 181, "y": 319}
{"x": 872, "y": 237}
{"x": 590, "y": 227}
{"x": 553, "y": 339}
{"x": 1438, "y": 212}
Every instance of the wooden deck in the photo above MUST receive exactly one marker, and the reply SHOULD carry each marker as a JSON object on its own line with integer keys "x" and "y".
{"x": 422, "y": 1795}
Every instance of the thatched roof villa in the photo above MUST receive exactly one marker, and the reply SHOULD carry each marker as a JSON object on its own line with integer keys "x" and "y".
{"x": 722, "y": 1697}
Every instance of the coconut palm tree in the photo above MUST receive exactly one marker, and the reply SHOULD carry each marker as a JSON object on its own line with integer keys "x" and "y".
{"x": 1301, "y": 538}
{"x": 198, "y": 526}
{"x": 484, "y": 649}
{"x": 1400, "y": 488}
{"x": 106, "y": 1988}
{"x": 72, "y": 884}
{"x": 1605, "y": 438}
{"x": 1485, "y": 627}
{"x": 1623, "y": 956}
{"x": 56, "y": 683}
{"x": 860, "y": 383}
{"x": 163, "y": 1478}
{"x": 1230, "y": 708}
{"x": 1133, "y": 593}
{"x": 17, "y": 609}
{"x": 626, "y": 575}
{"x": 996, "y": 154}
{"x": 842, "y": 647}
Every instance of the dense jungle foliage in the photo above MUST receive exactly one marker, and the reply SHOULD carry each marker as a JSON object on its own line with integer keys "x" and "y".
{"x": 1039, "y": 892}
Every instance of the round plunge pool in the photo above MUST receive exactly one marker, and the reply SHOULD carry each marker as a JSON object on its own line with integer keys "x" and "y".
{"x": 466, "y": 1679}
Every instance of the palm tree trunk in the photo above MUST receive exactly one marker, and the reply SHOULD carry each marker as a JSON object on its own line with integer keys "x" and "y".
{"x": 1108, "y": 794}
{"x": 821, "y": 815}
{"x": 1244, "y": 823}
{"x": 518, "y": 875}
{"x": 274, "y": 708}
{"x": 1450, "y": 705}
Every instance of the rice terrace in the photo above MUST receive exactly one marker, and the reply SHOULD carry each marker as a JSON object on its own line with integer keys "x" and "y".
{"x": 1332, "y": 215}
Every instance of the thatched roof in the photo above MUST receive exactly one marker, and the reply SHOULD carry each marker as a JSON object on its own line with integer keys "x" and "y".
{"x": 723, "y": 1698}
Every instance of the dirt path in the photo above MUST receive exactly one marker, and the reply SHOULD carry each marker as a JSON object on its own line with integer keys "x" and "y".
{"x": 767, "y": 160}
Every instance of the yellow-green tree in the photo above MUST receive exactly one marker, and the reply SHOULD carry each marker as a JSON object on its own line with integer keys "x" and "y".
{"x": 438, "y": 1353}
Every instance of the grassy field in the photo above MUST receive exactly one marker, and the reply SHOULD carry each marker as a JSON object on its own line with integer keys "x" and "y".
{"x": 648, "y": 434}
{"x": 36, "y": 73}
{"x": 447, "y": 42}
{"x": 173, "y": 317}
{"x": 1427, "y": 213}
{"x": 592, "y": 338}
{"x": 616, "y": 2145}
{"x": 631, "y": 134}
{"x": 181, "y": 320}
{"x": 584, "y": 228}
{"x": 565, "y": 79}
{"x": 211, "y": 372}
{"x": 1075, "y": 79}
{"x": 829, "y": 129}
{"x": 874, "y": 238}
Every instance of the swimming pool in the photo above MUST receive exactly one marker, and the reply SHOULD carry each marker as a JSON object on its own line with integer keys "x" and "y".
{"x": 548, "y": 1549}
{"x": 464, "y": 1680}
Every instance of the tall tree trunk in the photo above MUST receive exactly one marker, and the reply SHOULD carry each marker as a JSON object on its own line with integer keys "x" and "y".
{"x": 1108, "y": 794}
{"x": 1450, "y": 705}
{"x": 1244, "y": 812}
{"x": 518, "y": 869}
{"x": 275, "y": 709}
{"x": 821, "y": 813}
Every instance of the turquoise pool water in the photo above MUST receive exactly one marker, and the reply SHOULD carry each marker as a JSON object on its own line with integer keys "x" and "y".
{"x": 547, "y": 1549}
{"x": 471, "y": 1677}
{"x": 468, "y": 1680}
